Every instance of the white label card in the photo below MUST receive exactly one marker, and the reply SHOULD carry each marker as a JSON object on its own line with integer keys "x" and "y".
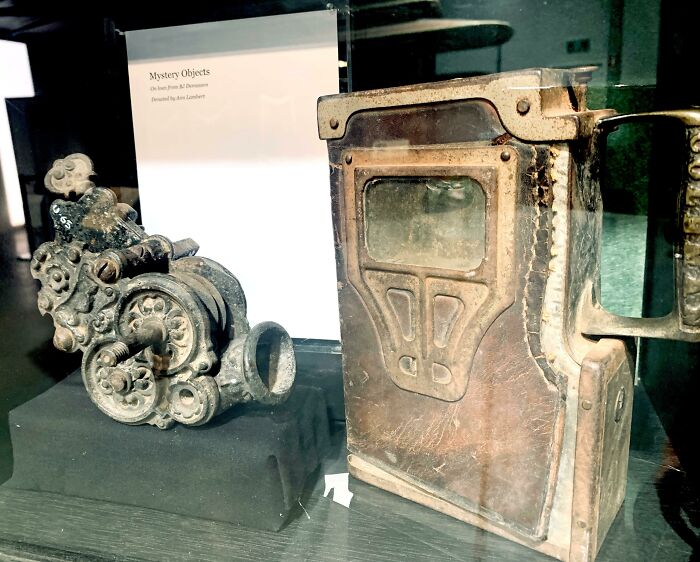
{"x": 228, "y": 154}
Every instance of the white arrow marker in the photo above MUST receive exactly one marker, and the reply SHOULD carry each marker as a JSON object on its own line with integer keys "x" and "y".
{"x": 339, "y": 484}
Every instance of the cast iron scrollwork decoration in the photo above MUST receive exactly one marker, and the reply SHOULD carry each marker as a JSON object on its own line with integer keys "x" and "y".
{"x": 163, "y": 332}
{"x": 70, "y": 175}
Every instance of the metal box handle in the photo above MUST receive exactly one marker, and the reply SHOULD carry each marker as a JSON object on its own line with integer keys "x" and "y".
{"x": 683, "y": 322}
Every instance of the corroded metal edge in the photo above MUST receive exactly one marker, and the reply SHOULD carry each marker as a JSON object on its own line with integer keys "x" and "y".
{"x": 690, "y": 282}
{"x": 602, "y": 446}
{"x": 554, "y": 345}
{"x": 534, "y": 105}
{"x": 537, "y": 280}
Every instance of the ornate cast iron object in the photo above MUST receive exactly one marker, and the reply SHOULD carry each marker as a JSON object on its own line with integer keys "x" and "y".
{"x": 70, "y": 175}
{"x": 163, "y": 332}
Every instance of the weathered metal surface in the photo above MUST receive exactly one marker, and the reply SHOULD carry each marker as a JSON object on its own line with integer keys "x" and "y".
{"x": 602, "y": 445}
{"x": 164, "y": 333}
{"x": 96, "y": 220}
{"x": 464, "y": 359}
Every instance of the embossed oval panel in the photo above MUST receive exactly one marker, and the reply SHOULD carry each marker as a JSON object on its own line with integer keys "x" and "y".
{"x": 430, "y": 236}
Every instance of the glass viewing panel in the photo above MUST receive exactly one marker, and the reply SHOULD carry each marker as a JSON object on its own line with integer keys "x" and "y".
{"x": 426, "y": 221}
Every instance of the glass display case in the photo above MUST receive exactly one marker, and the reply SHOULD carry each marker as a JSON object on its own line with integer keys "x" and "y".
{"x": 412, "y": 279}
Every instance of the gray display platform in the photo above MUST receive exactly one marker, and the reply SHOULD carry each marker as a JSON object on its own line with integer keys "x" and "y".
{"x": 248, "y": 466}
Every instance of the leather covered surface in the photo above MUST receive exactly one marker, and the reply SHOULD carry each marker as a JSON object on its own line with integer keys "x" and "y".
{"x": 495, "y": 451}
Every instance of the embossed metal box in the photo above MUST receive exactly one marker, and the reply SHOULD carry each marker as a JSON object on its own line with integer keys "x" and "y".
{"x": 467, "y": 220}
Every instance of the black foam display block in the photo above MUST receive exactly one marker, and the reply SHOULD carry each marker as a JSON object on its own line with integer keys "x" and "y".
{"x": 247, "y": 466}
